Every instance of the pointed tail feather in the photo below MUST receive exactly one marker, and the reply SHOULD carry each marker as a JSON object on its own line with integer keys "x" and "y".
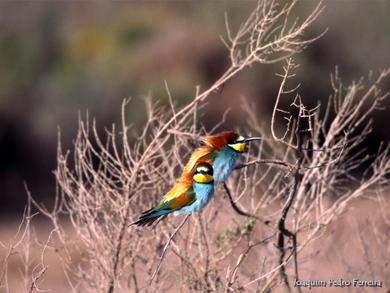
{"x": 147, "y": 211}
{"x": 145, "y": 221}
{"x": 147, "y": 218}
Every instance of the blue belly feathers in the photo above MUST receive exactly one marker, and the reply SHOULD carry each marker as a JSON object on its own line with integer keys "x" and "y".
{"x": 203, "y": 193}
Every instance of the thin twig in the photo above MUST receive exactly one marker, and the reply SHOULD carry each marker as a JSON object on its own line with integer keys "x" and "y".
{"x": 241, "y": 259}
{"x": 241, "y": 212}
{"x": 166, "y": 248}
{"x": 264, "y": 161}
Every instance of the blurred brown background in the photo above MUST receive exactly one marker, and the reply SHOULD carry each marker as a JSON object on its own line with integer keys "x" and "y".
{"x": 59, "y": 58}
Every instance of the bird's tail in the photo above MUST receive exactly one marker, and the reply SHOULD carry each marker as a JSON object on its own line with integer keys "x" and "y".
{"x": 148, "y": 217}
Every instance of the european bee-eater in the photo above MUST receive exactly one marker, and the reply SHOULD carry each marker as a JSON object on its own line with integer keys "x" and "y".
{"x": 191, "y": 193}
{"x": 222, "y": 150}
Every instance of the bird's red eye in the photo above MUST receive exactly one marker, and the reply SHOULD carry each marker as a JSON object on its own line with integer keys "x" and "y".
{"x": 232, "y": 138}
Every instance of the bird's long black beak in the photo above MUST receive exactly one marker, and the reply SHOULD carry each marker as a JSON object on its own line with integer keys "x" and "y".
{"x": 252, "y": 138}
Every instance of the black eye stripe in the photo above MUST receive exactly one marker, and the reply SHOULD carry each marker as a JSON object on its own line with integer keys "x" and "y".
{"x": 204, "y": 169}
{"x": 237, "y": 139}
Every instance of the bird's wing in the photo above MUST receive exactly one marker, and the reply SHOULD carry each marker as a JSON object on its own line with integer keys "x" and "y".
{"x": 202, "y": 154}
{"x": 179, "y": 196}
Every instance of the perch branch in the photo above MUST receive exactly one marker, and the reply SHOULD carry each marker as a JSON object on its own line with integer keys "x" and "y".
{"x": 241, "y": 212}
{"x": 270, "y": 162}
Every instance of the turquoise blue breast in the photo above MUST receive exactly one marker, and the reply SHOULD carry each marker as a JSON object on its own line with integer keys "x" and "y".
{"x": 223, "y": 164}
{"x": 203, "y": 194}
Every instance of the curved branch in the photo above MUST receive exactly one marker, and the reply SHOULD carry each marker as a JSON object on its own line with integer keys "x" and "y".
{"x": 241, "y": 212}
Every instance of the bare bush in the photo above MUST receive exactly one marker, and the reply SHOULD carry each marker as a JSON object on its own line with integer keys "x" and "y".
{"x": 317, "y": 154}
{"x": 25, "y": 249}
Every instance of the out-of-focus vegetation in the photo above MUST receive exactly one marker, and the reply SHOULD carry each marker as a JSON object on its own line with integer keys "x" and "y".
{"x": 57, "y": 58}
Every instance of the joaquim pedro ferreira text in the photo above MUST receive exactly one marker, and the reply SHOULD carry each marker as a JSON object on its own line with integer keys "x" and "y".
{"x": 338, "y": 283}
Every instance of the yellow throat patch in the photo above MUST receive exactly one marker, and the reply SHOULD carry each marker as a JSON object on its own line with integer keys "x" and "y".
{"x": 203, "y": 178}
{"x": 238, "y": 147}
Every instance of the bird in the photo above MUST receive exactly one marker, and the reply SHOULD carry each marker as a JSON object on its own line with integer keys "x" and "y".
{"x": 209, "y": 165}
{"x": 191, "y": 193}
{"x": 222, "y": 150}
